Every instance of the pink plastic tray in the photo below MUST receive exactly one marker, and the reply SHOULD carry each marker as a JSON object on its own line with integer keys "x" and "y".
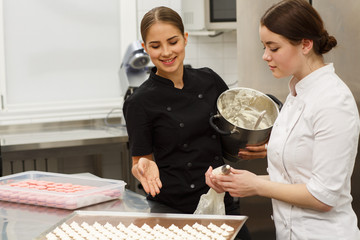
{"x": 58, "y": 190}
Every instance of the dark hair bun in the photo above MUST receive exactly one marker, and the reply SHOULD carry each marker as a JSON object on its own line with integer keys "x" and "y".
{"x": 326, "y": 43}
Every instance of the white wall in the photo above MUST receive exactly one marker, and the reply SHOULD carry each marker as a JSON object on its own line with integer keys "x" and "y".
{"x": 218, "y": 53}
{"x": 59, "y": 61}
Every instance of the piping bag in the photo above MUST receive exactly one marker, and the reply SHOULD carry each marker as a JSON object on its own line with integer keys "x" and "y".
{"x": 213, "y": 202}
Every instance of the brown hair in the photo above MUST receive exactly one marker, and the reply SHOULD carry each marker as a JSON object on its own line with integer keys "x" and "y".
{"x": 160, "y": 14}
{"x": 297, "y": 20}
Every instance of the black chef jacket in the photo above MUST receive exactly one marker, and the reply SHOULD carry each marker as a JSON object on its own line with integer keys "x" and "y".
{"x": 173, "y": 124}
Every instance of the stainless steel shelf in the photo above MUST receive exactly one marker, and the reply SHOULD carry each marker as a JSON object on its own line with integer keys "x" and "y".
{"x": 58, "y": 135}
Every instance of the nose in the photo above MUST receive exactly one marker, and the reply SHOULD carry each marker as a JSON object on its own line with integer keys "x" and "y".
{"x": 166, "y": 51}
{"x": 266, "y": 56}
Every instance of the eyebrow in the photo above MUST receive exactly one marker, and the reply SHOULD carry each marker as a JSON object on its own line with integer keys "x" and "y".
{"x": 169, "y": 39}
{"x": 270, "y": 42}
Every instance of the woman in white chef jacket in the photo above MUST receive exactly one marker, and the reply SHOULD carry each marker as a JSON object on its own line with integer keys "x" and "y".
{"x": 313, "y": 144}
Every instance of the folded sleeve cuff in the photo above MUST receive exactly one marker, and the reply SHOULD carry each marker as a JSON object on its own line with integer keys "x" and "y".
{"x": 321, "y": 193}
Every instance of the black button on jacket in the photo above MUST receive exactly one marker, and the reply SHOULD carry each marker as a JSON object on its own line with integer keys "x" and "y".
{"x": 173, "y": 124}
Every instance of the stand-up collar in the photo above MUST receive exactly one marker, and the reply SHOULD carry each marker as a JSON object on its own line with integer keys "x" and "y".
{"x": 163, "y": 80}
{"x": 309, "y": 80}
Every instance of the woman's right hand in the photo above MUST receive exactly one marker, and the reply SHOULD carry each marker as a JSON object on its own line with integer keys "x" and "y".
{"x": 147, "y": 172}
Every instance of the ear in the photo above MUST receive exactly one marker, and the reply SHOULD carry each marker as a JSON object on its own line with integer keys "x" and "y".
{"x": 307, "y": 45}
{"x": 186, "y": 35}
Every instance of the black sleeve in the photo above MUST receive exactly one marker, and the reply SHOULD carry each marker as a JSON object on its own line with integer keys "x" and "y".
{"x": 138, "y": 127}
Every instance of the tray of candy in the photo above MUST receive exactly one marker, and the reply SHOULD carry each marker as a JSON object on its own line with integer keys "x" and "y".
{"x": 58, "y": 190}
{"x": 131, "y": 225}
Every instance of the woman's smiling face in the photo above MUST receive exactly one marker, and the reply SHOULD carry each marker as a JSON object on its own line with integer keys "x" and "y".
{"x": 283, "y": 58}
{"x": 165, "y": 45}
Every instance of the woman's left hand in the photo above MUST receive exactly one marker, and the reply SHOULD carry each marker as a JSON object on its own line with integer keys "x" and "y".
{"x": 208, "y": 179}
{"x": 253, "y": 152}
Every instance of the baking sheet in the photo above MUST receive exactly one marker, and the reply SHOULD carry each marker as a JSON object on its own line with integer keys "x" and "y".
{"x": 151, "y": 219}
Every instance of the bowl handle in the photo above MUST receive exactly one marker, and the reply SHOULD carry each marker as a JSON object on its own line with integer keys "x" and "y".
{"x": 277, "y": 101}
{"x": 216, "y": 128}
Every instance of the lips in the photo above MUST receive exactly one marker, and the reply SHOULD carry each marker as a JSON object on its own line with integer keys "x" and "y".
{"x": 168, "y": 61}
{"x": 272, "y": 67}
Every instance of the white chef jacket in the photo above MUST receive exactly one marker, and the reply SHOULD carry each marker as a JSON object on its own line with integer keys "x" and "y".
{"x": 314, "y": 141}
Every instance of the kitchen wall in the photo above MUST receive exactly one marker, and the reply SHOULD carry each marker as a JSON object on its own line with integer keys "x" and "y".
{"x": 218, "y": 53}
{"x": 66, "y": 67}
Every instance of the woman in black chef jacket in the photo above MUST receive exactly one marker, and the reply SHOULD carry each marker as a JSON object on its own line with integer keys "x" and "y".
{"x": 167, "y": 117}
